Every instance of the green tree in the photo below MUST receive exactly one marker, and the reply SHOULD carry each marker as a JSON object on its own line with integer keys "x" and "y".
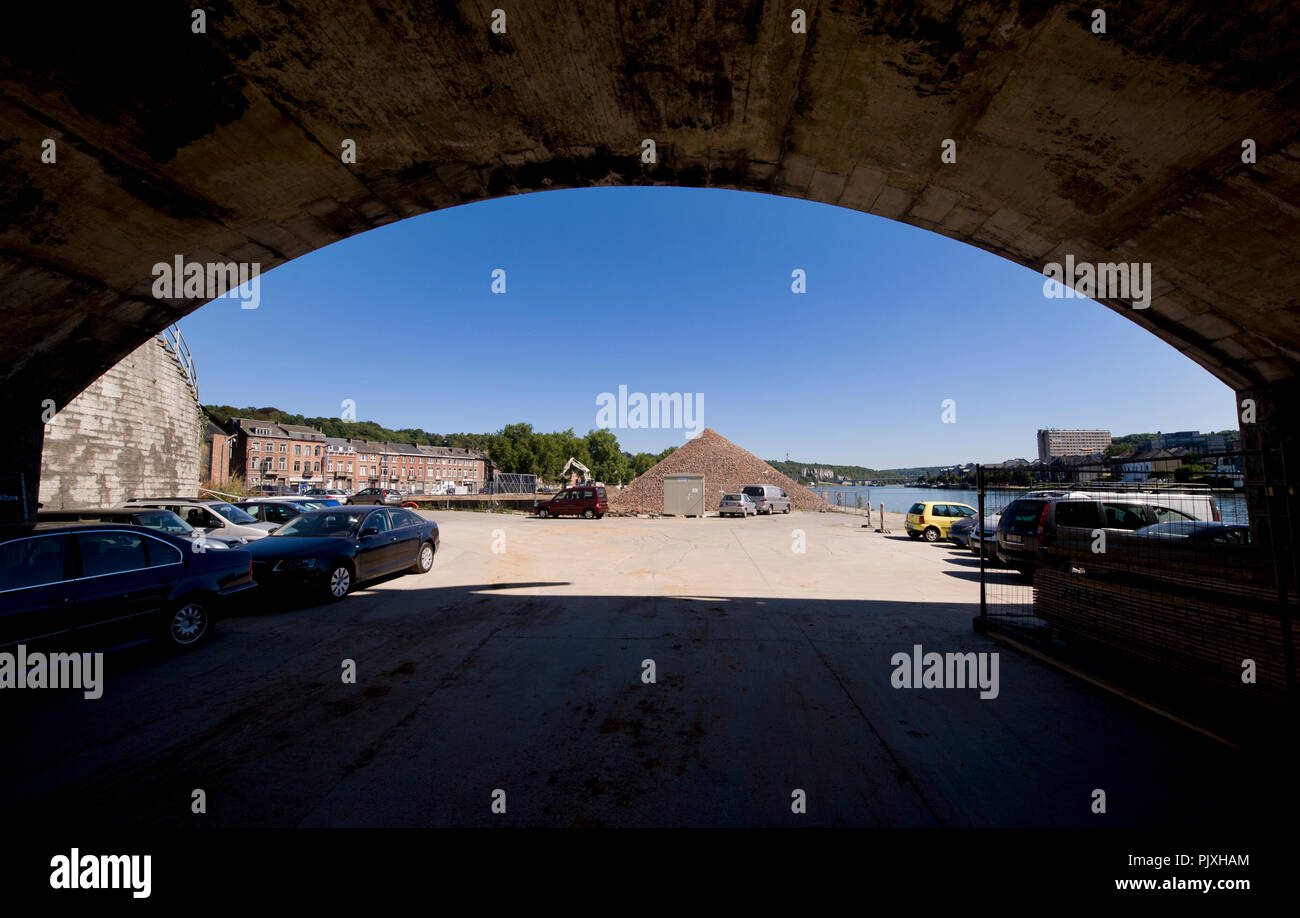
{"x": 608, "y": 464}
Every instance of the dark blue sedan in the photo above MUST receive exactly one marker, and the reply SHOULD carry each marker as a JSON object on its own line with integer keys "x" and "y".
{"x": 86, "y": 586}
{"x": 331, "y": 550}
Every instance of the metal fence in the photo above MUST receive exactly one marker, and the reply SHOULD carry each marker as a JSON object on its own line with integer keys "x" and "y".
{"x": 511, "y": 483}
{"x": 1164, "y": 575}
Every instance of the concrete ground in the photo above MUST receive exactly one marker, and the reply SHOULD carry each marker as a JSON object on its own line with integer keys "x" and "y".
{"x": 517, "y": 663}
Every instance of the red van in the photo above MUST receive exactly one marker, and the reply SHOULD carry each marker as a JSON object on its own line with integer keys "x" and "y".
{"x": 587, "y": 501}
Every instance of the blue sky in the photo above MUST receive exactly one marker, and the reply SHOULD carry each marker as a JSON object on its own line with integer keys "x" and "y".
{"x": 689, "y": 290}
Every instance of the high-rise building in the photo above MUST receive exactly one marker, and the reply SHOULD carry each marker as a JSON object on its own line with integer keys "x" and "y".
{"x": 1053, "y": 443}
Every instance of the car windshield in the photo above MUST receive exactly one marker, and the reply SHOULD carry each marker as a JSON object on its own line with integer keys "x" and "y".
{"x": 232, "y": 513}
{"x": 321, "y": 525}
{"x": 732, "y": 496}
{"x": 754, "y": 491}
{"x": 164, "y": 521}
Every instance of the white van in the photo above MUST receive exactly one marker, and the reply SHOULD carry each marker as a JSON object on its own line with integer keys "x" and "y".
{"x": 768, "y": 499}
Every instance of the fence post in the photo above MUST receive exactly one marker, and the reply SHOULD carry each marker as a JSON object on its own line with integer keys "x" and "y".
{"x": 981, "y": 623}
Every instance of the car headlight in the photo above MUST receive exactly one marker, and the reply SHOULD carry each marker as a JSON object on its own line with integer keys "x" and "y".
{"x": 295, "y": 564}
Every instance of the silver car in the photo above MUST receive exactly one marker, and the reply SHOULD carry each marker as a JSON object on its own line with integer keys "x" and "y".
{"x": 736, "y": 505}
{"x": 210, "y": 517}
{"x": 768, "y": 499}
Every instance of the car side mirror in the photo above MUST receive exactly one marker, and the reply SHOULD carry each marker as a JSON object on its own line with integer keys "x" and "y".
{"x": 369, "y": 531}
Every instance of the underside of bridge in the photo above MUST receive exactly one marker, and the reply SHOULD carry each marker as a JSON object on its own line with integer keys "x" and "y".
{"x": 1169, "y": 138}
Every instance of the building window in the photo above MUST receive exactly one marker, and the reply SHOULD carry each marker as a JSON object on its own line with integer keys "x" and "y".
{"x": 253, "y": 445}
{"x": 283, "y": 463}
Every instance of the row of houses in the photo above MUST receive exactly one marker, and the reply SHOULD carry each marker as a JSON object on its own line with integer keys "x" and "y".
{"x": 269, "y": 453}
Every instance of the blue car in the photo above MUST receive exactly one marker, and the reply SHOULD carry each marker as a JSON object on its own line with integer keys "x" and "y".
{"x": 90, "y": 585}
{"x": 330, "y": 550}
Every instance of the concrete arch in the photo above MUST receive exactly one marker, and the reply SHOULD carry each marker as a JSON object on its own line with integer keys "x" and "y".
{"x": 225, "y": 145}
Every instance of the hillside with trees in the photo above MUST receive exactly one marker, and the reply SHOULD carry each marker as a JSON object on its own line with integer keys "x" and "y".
{"x": 515, "y": 448}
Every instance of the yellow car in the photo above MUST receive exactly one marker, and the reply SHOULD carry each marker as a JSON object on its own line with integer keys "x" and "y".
{"x": 931, "y": 519}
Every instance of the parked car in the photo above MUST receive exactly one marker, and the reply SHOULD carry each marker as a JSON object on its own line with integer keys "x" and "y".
{"x": 310, "y": 503}
{"x": 984, "y": 539}
{"x": 148, "y": 517}
{"x": 211, "y": 517}
{"x": 767, "y": 499}
{"x": 273, "y": 490}
{"x": 335, "y": 494}
{"x": 83, "y": 586}
{"x": 273, "y": 511}
{"x": 960, "y": 531}
{"x": 330, "y": 551}
{"x": 389, "y": 496}
{"x": 1034, "y": 531}
{"x": 1196, "y": 531}
{"x": 587, "y": 501}
{"x": 736, "y": 505}
{"x": 932, "y": 520}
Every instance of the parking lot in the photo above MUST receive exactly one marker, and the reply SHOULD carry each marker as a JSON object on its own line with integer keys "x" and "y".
{"x": 517, "y": 665}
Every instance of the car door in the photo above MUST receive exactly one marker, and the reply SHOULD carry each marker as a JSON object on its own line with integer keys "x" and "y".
{"x": 559, "y": 504}
{"x": 374, "y": 550}
{"x": 406, "y": 536}
{"x": 256, "y": 511}
{"x": 117, "y": 585}
{"x": 36, "y": 589}
{"x": 278, "y": 514}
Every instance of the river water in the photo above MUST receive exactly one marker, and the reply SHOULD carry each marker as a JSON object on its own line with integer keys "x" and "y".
{"x": 898, "y": 499}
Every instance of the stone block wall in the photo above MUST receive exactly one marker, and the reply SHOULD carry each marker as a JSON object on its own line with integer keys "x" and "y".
{"x": 135, "y": 432}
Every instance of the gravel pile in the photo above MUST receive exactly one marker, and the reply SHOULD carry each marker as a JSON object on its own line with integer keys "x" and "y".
{"x": 725, "y": 467}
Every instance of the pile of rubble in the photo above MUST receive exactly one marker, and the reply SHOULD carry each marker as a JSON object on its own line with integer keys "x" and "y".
{"x": 726, "y": 468}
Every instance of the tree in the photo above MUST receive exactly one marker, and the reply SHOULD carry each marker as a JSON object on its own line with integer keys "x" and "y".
{"x": 608, "y": 464}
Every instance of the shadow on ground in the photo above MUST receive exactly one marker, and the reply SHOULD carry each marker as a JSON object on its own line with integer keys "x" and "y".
{"x": 462, "y": 691}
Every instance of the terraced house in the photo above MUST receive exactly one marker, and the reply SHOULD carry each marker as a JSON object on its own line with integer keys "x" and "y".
{"x": 265, "y": 452}
{"x": 280, "y": 454}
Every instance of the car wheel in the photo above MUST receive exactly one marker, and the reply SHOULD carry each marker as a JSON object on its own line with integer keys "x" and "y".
{"x": 543, "y": 513}
{"x": 338, "y": 582}
{"x": 931, "y": 534}
{"x": 424, "y": 562}
{"x": 188, "y": 623}
{"x": 913, "y": 535}
{"x": 787, "y": 508}
{"x": 588, "y": 514}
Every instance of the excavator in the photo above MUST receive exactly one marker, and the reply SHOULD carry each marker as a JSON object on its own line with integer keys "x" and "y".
{"x": 575, "y": 464}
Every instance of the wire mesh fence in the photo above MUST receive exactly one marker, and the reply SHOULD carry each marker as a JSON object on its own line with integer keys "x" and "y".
{"x": 511, "y": 483}
{"x": 1163, "y": 573}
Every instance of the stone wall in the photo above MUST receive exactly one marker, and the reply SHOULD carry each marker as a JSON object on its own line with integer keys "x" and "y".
{"x": 135, "y": 432}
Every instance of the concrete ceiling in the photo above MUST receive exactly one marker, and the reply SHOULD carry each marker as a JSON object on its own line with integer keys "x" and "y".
{"x": 226, "y": 146}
